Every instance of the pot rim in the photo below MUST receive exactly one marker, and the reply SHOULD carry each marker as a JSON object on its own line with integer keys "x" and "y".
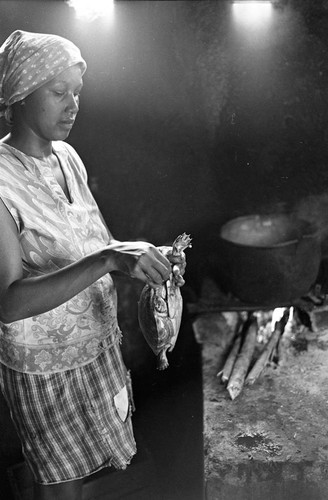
{"x": 314, "y": 234}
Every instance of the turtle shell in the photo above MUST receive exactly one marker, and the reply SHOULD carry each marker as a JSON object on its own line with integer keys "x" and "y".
{"x": 159, "y": 313}
{"x": 160, "y": 309}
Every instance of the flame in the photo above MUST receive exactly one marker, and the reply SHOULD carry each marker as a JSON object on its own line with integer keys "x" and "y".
{"x": 278, "y": 314}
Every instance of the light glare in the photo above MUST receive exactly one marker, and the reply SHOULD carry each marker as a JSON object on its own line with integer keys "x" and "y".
{"x": 89, "y": 10}
{"x": 252, "y": 13}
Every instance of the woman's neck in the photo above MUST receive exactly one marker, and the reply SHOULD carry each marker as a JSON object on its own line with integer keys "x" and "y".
{"x": 36, "y": 148}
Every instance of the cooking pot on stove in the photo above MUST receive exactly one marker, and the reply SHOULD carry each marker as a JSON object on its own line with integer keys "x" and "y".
{"x": 268, "y": 259}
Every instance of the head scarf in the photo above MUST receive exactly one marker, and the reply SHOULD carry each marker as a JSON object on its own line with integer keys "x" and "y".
{"x": 29, "y": 60}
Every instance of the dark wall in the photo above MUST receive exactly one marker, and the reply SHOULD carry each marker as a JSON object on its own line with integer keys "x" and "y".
{"x": 188, "y": 119}
{"x": 185, "y": 119}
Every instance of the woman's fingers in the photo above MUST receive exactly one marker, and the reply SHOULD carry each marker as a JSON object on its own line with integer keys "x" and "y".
{"x": 179, "y": 258}
{"x": 153, "y": 268}
{"x": 146, "y": 262}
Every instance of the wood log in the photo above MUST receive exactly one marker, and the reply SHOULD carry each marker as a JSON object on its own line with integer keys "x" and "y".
{"x": 241, "y": 366}
{"x": 232, "y": 356}
{"x": 266, "y": 354}
{"x": 286, "y": 338}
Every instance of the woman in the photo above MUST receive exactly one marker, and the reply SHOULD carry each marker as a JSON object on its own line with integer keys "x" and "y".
{"x": 61, "y": 369}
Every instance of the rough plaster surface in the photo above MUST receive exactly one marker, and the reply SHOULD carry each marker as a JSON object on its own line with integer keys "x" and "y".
{"x": 272, "y": 441}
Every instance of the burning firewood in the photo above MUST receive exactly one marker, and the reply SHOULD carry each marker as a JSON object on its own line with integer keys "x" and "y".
{"x": 267, "y": 352}
{"x": 241, "y": 366}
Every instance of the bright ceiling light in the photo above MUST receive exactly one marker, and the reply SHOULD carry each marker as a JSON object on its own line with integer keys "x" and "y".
{"x": 247, "y": 2}
{"x": 89, "y": 10}
{"x": 252, "y": 13}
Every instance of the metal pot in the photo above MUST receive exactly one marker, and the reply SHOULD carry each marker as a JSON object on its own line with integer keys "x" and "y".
{"x": 270, "y": 259}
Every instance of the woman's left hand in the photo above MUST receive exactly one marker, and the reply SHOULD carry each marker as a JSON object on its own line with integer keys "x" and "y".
{"x": 178, "y": 262}
{"x": 140, "y": 260}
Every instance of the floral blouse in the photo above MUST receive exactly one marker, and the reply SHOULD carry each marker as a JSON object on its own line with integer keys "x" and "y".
{"x": 53, "y": 233}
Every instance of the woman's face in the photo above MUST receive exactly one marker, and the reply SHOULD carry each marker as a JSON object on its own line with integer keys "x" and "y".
{"x": 50, "y": 111}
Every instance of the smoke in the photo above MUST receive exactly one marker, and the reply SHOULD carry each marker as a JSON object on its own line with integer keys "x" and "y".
{"x": 314, "y": 209}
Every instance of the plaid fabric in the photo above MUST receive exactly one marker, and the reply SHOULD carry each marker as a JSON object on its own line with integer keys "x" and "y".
{"x": 67, "y": 422}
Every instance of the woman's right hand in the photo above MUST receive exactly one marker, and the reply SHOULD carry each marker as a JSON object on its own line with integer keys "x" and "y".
{"x": 140, "y": 260}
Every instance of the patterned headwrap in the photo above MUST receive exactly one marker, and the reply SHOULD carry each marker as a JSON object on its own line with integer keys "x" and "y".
{"x": 29, "y": 60}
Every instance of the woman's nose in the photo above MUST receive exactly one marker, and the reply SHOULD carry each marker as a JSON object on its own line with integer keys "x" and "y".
{"x": 73, "y": 103}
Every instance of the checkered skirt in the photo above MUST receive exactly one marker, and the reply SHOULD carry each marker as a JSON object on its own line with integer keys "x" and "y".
{"x": 67, "y": 422}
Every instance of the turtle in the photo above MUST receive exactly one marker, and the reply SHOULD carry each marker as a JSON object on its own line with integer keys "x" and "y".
{"x": 160, "y": 309}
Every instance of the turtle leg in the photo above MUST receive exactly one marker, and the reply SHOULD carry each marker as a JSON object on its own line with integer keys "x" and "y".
{"x": 162, "y": 362}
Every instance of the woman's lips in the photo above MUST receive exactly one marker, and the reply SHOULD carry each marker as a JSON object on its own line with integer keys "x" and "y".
{"x": 67, "y": 123}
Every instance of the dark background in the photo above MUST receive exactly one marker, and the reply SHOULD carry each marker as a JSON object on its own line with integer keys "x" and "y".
{"x": 188, "y": 119}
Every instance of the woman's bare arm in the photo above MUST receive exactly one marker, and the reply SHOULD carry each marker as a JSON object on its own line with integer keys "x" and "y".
{"x": 21, "y": 298}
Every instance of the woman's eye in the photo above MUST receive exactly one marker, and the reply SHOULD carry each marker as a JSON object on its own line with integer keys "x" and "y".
{"x": 57, "y": 92}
